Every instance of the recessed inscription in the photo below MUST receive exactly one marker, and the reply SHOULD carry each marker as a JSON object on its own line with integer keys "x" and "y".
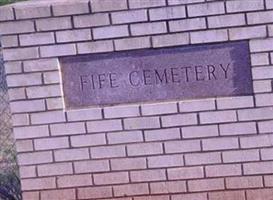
{"x": 157, "y": 74}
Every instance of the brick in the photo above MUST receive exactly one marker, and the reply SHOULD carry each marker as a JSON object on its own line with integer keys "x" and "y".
{"x": 141, "y": 123}
{"x": 38, "y": 184}
{"x": 94, "y": 192}
{"x": 24, "y": 145}
{"x": 209, "y": 36}
{"x": 30, "y": 132}
{"x": 30, "y": 12}
{"x": 262, "y": 72}
{"x": 121, "y": 111}
{"x": 240, "y": 156}
{"x": 131, "y": 189}
{"x": 107, "y": 152}
{"x": 55, "y": 169}
{"x": 20, "y": 119}
{"x": 13, "y": 67}
{"x": 67, "y": 129}
{"x": 6, "y": 14}
{"x": 177, "y": 2}
{"x": 93, "y": 20}
{"x": 196, "y": 196}
{"x": 148, "y": 28}
{"x": 49, "y": 24}
{"x": 158, "y": 108}
{"x": 269, "y": 4}
{"x": 262, "y": 86}
{"x": 68, "y": 194}
{"x": 146, "y": 4}
{"x": 187, "y": 24}
{"x": 244, "y": 182}
{"x": 179, "y": 120}
{"x": 41, "y": 65}
{"x": 51, "y": 143}
{"x": 132, "y": 43}
{"x": 265, "y": 127}
{"x": 256, "y": 141}
{"x": 260, "y": 45}
{"x": 264, "y": 99}
{"x": 185, "y": 173}
{"x": 108, "y": 5}
{"x": 35, "y": 158}
{"x": 167, "y": 13}
{"x": 95, "y": 47}
{"x": 128, "y": 163}
{"x": 74, "y": 181}
{"x": 161, "y": 197}
{"x": 71, "y": 154}
{"x": 30, "y": 195}
{"x": 206, "y": 185}
{"x": 73, "y": 35}
{"x": 106, "y": 125}
{"x": 144, "y": 149}
{"x": 199, "y": 131}
{"x": 51, "y": 77}
{"x": 270, "y": 30}
{"x": 268, "y": 180}
{"x": 261, "y": 194}
{"x": 69, "y": 8}
{"x": 217, "y": 117}
{"x": 223, "y": 170}
{"x": 266, "y": 154}
{"x": 9, "y": 41}
{"x": 84, "y": 114}
{"x": 91, "y": 166}
{"x": 197, "y": 105}
{"x": 165, "y": 161}
{"x": 47, "y": 117}
{"x": 16, "y": 27}
{"x": 54, "y": 103}
{"x": 202, "y": 158}
{"x": 129, "y": 16}
{"x": 168, "y": 187}
{"x": 115, "y": 32}
{"x": 111, "y": 178}
{"x": 44, "y": 91}
{"x": 182, "y": 146}
{"x": 162, "y": 134}
{"x": 27, "y": 106}
{"x": 228, "y": 195}
{"x": 258, "y": 59}
{"x": 206, "y": 9}
{"x": 258, "y": 168}
{"x": 148, "y": 175}
{"x": 20, "y": 53}
{"x": 242, "y": 6}
{"x": 124, "y": 137}
{"x": 88, "y": 140}
{"x": 247, "y": 33}
{"x": 226, "y": 21}
{"x": 235, "y": 102}
{"x": 58, "y": 50}
{"x": 171, "y": 40}
{"x": 238, "y": 128}
{"x": 255, "y": 114}
{"x": 220, "y": 144}
{"x": 27, "y": 171}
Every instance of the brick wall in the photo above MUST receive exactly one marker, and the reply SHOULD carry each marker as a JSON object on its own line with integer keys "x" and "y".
{"x": 205, "y": 149}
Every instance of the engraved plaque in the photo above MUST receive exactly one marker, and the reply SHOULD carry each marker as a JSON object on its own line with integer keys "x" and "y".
{"x": 151, "y": 75}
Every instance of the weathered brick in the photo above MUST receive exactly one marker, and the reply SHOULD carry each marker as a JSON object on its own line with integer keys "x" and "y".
{"x": 266, "y": 154}
{"x": 244, "y": 182}
{"x": 6, "y": 14}
{"x": 202, "y": 158}
{"x": 131, "y": 189}
{"x": 247, "y": 33}
{"x": 195, "y": 196}
{"x": 47, "y": 117}
{"x": 260, "y": 45}
{"x": 206, "y": 9}
{"x": 41, "y": 65}
{"x": 74, "y": 181}
{"x": 111, "y": 178}
{"x": 124, "y": 137}
{"x": 30, "y": 132}
{"x": 255, "y": 114}
{"x": 70, "y": 8}
{"x": 91, "y": 166}
{"x": 197, "y": 105}
{"x": 264, "y": 99}
{"x": 146, "y": 4}
{"x": 9, "y": 41}
{"x": 20, "y": 53}
{"x": 95, "y": 47}
{"x": 167, "y": 13}
{"x": 94, "y": 192}
{"x": 159, "y": 108}
{"x": 49, "y": 24}
{"x": 168, "y": 187}
{"x": 185, "y": 173}
{"x": 269, "y": 4}
{"x": 179, "y": 120}
{"x": 220, "y": 144}
{"x": 121, "y": 111}
{"x": 108, "y": 5}
{"x": 129, "y": 16}
{"x": 223, "y": 170}
{"x": 209, "y": 36}
{"x": 84, "y": 114}
{"x": 116, "y": 31}
{"x": 171, "y": 40}
{"x": 38, "y": 184}
{"x": 182, "y": 146}
{"x": 132, "y": 43}
{"x": 16, "y": 27}
{"x": 59, "y": 194}
{"x": 238, "y": 128}
{"x": 187, "y": 24}
{"x": 199, "y": 131}
{"x": 58, "y": 50}
{"x": 235, "y": 102}
{"x": 240, "y": 6}
{"x": 93, "y": 20}
{"x": 144, "y": 149}
{"x": 162, "y": 134}
{"x": 263, "y": 194}
{"x": 258, "y": 168}
{"x": 27, "y": 106}
{"x": 262, "y": 86}
{"x": 24, "y": 80}
{"x": 88, "y": 140}
{"x": 142, "y": 123}
{"x": 148, "y": 175}
{"x": 27, "y": 171}
{"x": 177, "y": 2}
{"x": 107, "y": 151}
{"x": 265, "y": 126}
{"x": 128, "y": 163}
{"x": 206, "y": 185}
{"x": 268, "y": 180}
{"x": 51, "y": 77}
{"x": 24, "y": 145}
{"x": 165, "y": 161}
{"x": 105, "y": 125}
{"x": 262, "y": 72}
{"x": 256, "y": 141}
{"x": 31, "y": 195}
{"x": 54, "y": 169}
{"x": 148, "y": 28}
{"x": 226, "y": 21}
{"x": 44, "y": 91}
{"x": 67, "y": 129}
{"x": 228, "y": 195}
{"x": 240, "y": 156}
{"x": 30, "y": 12}
{"x": 51, "y": 143}
{"x": 258, "y": 59}
{"x": 35, "y": 158}
{"x": 73, "y": 35}
{"x": 71, "y": 154}
{"x": 20, "y": 119}
{"x": 13, "y": 67}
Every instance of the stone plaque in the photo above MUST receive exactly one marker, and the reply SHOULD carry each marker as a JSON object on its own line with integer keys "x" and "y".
{"x": 151, "y": 75}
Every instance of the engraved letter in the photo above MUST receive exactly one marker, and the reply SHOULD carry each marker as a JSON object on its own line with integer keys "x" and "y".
{"x": 101, "y": 80}
{"x": 198, "y": 72}
{"x": 174, "y": 76}
{"x": 147, "y": 77}
{"x": 83, "y": 81}
{"x": 225, "y": 70}
{"x": 113, "y": 79}
{"x": 211, "y": 70}
{"x": 159, "y": 79}
{"x": 131, "y": 75}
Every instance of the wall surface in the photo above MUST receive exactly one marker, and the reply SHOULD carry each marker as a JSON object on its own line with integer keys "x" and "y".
{"x": 202, "y": 149}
